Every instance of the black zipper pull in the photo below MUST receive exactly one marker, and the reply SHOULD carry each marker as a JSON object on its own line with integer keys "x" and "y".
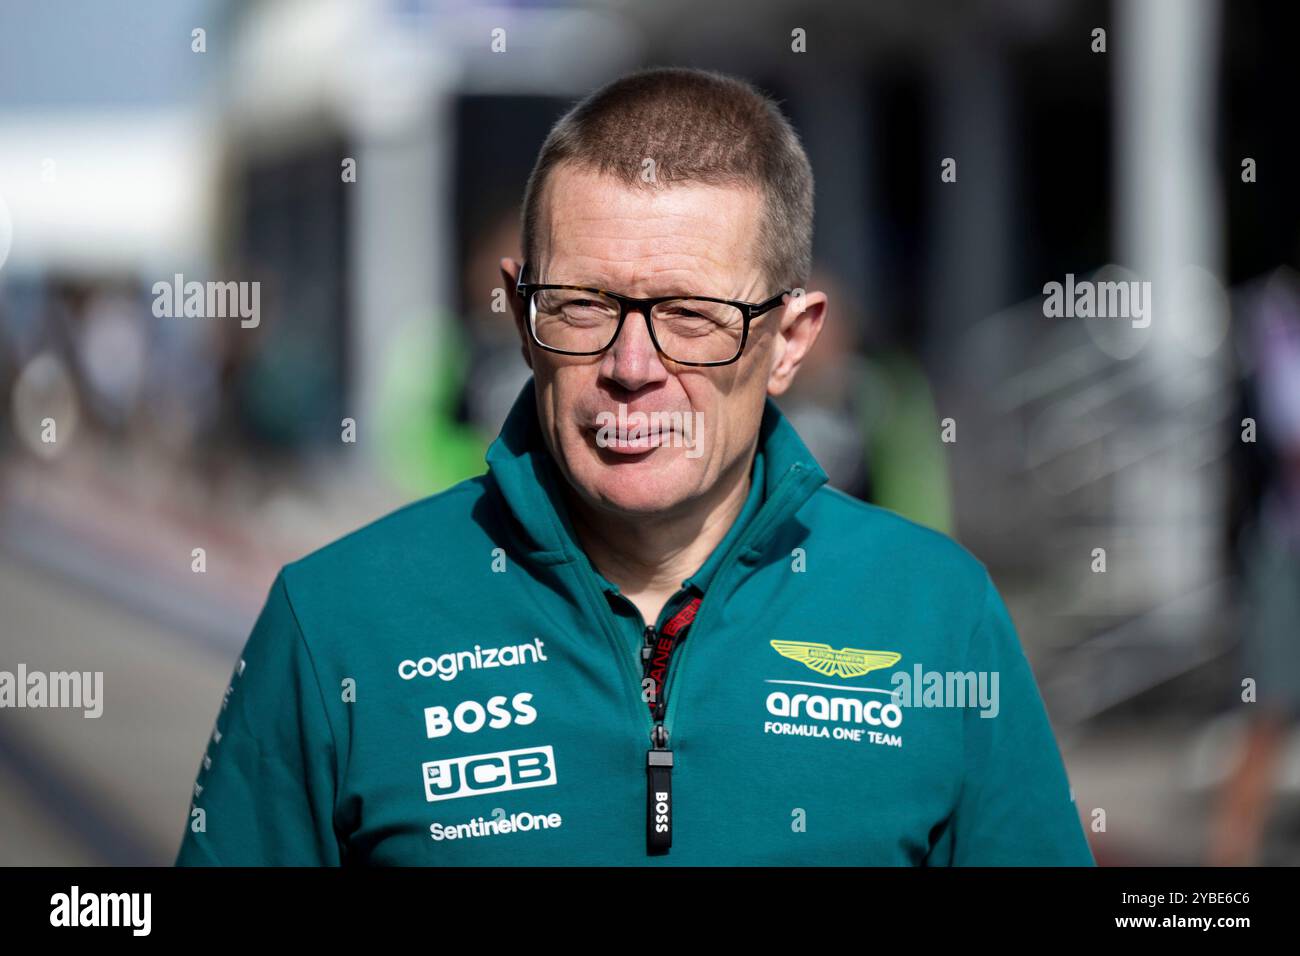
{"x": 659, "y": 792}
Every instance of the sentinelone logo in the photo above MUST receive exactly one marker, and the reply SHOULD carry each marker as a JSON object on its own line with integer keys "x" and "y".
{"x": 75, "y": 689}
{"x": 211, "y": 300}
{"x": 499, "y": 824}
{"x": 102, "y": 909}
{"x": 449, "y": 666}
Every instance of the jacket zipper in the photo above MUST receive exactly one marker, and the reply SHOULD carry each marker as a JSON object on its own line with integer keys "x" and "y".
{"x": 659, "y": 758}
{"x": 658, "y": 764}
{"x": 786, "y": 487}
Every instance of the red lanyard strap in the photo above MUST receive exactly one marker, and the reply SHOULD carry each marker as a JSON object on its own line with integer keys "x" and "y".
{"x": 658, "y": 652}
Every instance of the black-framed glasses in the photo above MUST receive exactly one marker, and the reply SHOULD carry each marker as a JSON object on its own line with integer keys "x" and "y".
{"x": 689, "y": 330}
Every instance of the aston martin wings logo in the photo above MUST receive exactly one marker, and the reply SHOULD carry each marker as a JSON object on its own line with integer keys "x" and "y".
{"x": 846, "y": 662}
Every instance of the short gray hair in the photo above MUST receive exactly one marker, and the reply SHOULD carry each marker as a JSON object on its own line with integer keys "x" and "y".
{"x": 698, "y": 126}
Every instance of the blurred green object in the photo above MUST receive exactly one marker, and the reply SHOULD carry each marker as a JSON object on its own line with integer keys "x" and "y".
{"x": 909, "y": 469}
{"x": 423, "y": 449}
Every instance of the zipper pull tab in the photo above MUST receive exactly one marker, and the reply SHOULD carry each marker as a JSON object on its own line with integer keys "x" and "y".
{"x": 659, "y": 793}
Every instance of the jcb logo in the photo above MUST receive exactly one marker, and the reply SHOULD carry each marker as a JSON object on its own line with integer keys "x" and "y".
{"x": 489, "y": 773}
{"x": 470, "y": 716}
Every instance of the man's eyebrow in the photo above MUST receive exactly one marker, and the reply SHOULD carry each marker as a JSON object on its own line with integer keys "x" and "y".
{"x": 586, "y": 280}
{"x": 602, "y": 282}
{"x": 554, "y": 277}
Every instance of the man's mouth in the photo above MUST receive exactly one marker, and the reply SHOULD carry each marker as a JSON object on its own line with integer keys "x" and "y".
{"x": 631, "y": 443}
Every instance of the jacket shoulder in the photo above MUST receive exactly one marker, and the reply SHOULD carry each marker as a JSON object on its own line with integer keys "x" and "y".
{"x": 417, "y": 538}
{"x": 892, "y": 544}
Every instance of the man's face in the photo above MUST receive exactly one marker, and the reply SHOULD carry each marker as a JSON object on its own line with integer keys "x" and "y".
{"x": 647, "y": 242}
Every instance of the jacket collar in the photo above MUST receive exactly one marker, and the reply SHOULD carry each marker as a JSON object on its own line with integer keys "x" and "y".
{"x": 785, "y": 474}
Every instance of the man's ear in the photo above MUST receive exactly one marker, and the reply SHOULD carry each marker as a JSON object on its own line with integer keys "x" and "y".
{"x": 801, "y": 323}
{"x": 510, "y": 273}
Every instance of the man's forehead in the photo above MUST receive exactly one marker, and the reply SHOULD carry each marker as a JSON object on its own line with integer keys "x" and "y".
{"x": 613, "y": 232}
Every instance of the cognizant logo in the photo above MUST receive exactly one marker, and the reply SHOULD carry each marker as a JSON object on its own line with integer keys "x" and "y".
{"x": 450, "y": 665}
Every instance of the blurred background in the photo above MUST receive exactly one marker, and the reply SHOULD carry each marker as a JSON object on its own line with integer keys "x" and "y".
{"x": 365, "y": 161}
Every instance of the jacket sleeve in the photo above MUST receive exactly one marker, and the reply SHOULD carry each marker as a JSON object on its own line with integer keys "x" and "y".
{"x": 265, "y": 791}
{"x": 1015, "y": 807}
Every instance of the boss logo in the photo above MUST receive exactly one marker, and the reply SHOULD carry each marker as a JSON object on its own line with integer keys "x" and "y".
{"x": 661, "y": 811}
{"x": 489, "y": 773}
{"x": 470, "y": 716}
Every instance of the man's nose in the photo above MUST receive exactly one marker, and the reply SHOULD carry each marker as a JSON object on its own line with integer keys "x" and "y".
{"x": 633, "y": 361}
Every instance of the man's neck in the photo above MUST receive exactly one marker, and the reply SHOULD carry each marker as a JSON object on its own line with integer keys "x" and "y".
{"x": 648, "y": 557}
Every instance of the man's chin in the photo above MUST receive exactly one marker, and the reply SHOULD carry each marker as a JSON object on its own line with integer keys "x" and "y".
{"x": 648, "y": 495}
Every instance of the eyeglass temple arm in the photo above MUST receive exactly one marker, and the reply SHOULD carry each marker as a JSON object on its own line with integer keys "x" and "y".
{"x": 770, "y": 304}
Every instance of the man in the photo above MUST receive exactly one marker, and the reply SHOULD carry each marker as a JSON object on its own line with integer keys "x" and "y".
{"x": 660, "y": 640}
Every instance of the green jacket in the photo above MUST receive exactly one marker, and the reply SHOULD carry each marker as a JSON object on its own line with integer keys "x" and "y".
{"x": 455, "y": 684}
